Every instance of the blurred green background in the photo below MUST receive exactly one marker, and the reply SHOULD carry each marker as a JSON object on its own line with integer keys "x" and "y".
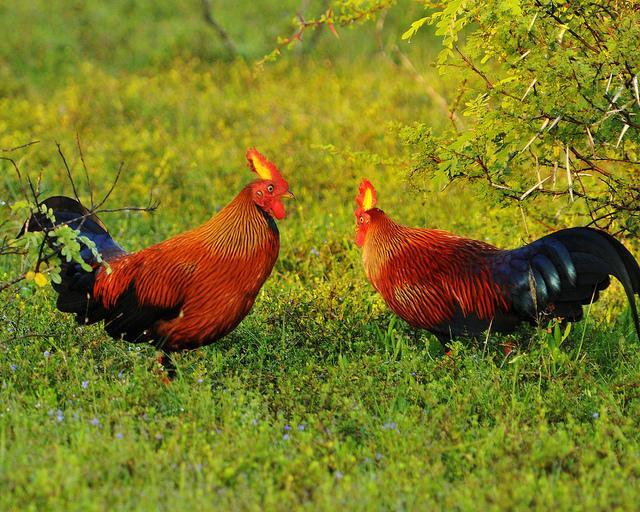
{"x": 44, "y": 42}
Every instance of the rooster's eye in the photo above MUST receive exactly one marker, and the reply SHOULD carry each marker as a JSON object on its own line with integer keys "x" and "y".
{"x": 270, "y": 189}
{"x": 361, "y": 219}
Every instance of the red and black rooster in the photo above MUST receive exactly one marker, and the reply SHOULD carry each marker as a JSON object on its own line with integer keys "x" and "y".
{"x": 453, "y": 286}
{"x": 187, "y": 291}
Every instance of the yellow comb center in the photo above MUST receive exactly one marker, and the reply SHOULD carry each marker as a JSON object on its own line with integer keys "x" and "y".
{"x": 261, "y": 168}
{"x": 367, "y": 200}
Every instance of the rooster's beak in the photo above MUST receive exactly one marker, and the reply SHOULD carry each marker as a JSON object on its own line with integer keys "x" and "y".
{"x": 288, "y": 195}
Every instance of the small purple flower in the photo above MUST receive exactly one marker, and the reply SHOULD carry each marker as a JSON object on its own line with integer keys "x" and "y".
{"x": 85, "y": 384}
{"x": 95, "y": 422}
{"x": 59, "y": 416}
{"x": 46, "y": 353}
{"x": 301, "y": 427}
{"x": 119, "y": 435}
{"x": 595, "y": 415}
{"x": 254, "y": 422}
{"x": 120, "y": 375}
{"x": 13, "y": 367}
{"x": 285, "y": 437}
{"x": 378, "y": 457}
{"x": 315, "y": 252}
{"x": 339, "y": 475}
{"x": 200, "y": 380}
{"x": 287, "y": 427}
{"x": 391, "y": 425}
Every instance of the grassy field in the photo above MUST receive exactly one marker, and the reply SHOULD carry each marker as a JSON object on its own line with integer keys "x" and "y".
{"x": 321, "y": 399}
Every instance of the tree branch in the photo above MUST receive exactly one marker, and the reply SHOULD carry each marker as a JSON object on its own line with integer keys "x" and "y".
{"x": 207, "y": 10}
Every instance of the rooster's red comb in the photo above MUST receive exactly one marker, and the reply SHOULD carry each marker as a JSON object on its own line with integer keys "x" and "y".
{"x": 366, "y": 197}
{"x": 259, "y": 164}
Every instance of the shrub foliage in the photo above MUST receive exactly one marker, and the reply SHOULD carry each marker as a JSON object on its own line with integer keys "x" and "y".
{"x": 544, "y": 100}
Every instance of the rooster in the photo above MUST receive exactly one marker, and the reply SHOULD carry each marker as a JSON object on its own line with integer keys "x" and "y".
{"x": 187, "y": 291}
{"x": 454, "y": 286}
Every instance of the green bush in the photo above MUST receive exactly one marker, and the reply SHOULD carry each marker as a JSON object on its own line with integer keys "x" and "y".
{"x": 543, "y": 105}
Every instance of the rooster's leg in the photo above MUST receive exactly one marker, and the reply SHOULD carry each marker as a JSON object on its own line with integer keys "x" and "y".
{"x": 445, "y": 342}
{"x": 167, "y": 364}
{"x": 447, "y": 360}
{"x": 507, "y": 348}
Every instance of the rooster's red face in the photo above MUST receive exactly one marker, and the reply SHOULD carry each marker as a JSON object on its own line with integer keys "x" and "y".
{"x": 269, "y": 190}
{"x": 362, "y": 224}
{"x": 366, "y": 200}
{"x": 268, "y": 196}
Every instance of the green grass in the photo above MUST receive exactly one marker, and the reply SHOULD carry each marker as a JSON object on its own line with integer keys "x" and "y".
{"x": 321, "y": 399}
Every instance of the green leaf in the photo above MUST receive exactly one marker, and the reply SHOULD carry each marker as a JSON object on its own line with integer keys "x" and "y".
{"x": 415, "y": 26}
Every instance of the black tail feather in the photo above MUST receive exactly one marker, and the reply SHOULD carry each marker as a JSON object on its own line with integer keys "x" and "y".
{"x": 564, "y": 271}
{"x": 598, "y": 253}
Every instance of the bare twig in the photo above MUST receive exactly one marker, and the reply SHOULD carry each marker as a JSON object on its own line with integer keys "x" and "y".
{"x": 113, "y": 186}
{"x": 470, "y": 63}
{"x": 437, "y": 98}
{"x": 46, "y": 249}
{"x": 66, "y": 166}
{"x": 6, "y": 150}
{"x": 550, "y": 12}
{"x": 328, "y": 20}
{"x": 19, "y": 174}
{"x": 11, "y": 282}
{"x": 315, "y": 36}
{"x": 207, "y": 10}
{"x": 84, "y": 167}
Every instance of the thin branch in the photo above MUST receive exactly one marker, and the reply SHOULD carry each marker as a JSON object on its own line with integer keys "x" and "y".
{"x": 66, "y": 166}
{"x": 149, "y": 208}
{"x": 315, "y": 36}
{"x": 6, "y": 150}
{"x": 113, "y": 186}
{"x": 207, "y": 10}
{"x": 84, "y": 167}
{"x": 19, "y": 174}
{"x": 470, "y": 63}
{"x": 11, "y": 282}
{"x": 437, "y": 98}
{"x": 559, "y": 20}
{"x": 590, "y": 163}
{"x": 326, "y": 19}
